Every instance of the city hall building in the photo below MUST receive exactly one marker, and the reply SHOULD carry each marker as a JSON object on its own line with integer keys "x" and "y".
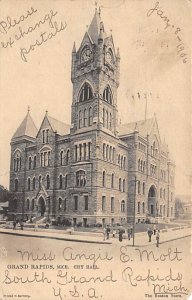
{"x": 93, "y": 170}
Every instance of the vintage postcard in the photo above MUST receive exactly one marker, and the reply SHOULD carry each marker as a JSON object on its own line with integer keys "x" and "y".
{"x": 95, "y": 149}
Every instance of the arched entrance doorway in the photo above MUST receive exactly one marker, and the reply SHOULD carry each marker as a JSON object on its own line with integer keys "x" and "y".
{"x": 152, "y": 201}
{"x": 41, "y": 206}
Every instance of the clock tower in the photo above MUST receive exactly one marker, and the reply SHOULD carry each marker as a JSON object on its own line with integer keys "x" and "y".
{"x": 95, "y": 78}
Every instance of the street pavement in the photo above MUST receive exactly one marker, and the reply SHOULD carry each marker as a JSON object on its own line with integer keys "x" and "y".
{"x": 141, "y": 239}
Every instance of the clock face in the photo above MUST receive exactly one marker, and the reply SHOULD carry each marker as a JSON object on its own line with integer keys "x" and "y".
{"x": 109, "y": 57}
{"x": 86, "y": 54}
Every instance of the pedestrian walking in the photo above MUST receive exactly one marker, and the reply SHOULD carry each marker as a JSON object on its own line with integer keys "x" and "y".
{"x": 154, "y": 229}
{"x": 113, "y": 233}
{"x": 157, "y": 238}
{"x": 120, "y": 235}
{"x": 14, "y": 225}
{"x": 108, "y": 231}
{"x": 104, "y": 233}
{"x": 129, "y": 233}
{"x": 149, "y": 232}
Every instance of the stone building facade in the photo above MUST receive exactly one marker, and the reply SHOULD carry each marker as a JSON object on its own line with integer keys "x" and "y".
{"x": 94, "y": 170}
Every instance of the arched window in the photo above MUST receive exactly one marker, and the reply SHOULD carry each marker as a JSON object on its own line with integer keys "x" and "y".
{"x": 160, "y": 192}
{"x": 86, "y": 93}
{"x": 48, "y": 181}
{"x": 121, "y": 162}
{"x": 143, "y": 188}
{"x": 103, "y": 203}
{"x": 138, "y": 207}
{"x": 112, "y": 204}
{"x": 67, "y": 156}
{"x": 32, "y": 204}
{"x": 33, "y": 183}
{"x": 27, "y": 204}
{"x": 30, "y": 163}
{"x": 113, "y": 154}
{"x": 124, "y": 163}
{"x": 60, "y": 203}
{"x": 16, "y": 185}
{"x": 34, "y": 162}
{"x": 80, "y": 178}
{"x": 107, "y": 152}
{"x": 107, "y": 119}
{"x": 123, "y": 185}
{"x": 122, "y": 206}
{"x": 103, "y": 179}
{"x": 107, "y": 95}
{"x": 110, "y": 120}
{"x": 139, "y": 187}
{"x": 90, "y": 116}
{"x": 139, "y": 164}
{"x": 80, "y": 119}
{"x": 143, "y": 207}
{"x": 144, "y": 167}
{"x": 85, "y": 118}
{"x": 103, "y": 117}
{"x": 60, "y": 181}
{"x": 29, "y": 184}
{"x": 65, "y": 204}
{"x": 112, "y": 180}
{"x": 104, "y": 147}
{"x": 110, "y": 153}
{"x": 62, "y": 158}
{"x": 66, "y": 181}
{"x": 40, "y": 181}
{"x": 119, "y": 184}
{"x": 119, "y": 159}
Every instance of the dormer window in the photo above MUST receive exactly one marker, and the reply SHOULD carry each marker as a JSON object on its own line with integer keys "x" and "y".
{"x": 86, "y": 93}
{"x": 107, "y": 95}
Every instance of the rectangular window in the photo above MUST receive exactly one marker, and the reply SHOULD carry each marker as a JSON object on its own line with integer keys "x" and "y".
{"x": 112, "y": 204}
{"x": 75, "y": 202}
{"x": 89, "y": 150}
{"x": 43, "y": 132}
{"x": 103, "y": 203}
{"x": 85, "y": 150}
{"x": 86, "y": 202}
{"x": 80, "y": 152}
{"x": 47, "y": 135}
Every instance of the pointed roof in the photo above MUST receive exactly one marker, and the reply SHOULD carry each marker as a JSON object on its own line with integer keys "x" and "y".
{"x": 94, "y": 27}
{"x": 26, "y": 128}
{"x": 60, "y": 127}
{"x": 143, "y": 127}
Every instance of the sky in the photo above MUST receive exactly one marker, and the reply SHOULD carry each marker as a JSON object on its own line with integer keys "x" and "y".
{"x": 154, "y": 42}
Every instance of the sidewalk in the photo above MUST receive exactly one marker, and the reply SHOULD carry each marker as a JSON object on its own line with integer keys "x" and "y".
{"x": 141, "y": 239}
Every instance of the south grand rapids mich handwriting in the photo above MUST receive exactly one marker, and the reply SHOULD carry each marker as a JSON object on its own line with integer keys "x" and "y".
{"x": 64, "y": 283}
{"x": 10, "y": 40}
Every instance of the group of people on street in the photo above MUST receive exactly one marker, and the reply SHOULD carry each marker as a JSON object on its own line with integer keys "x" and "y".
{"x": 117, "y": 232}
{"x": 155, "y": 231}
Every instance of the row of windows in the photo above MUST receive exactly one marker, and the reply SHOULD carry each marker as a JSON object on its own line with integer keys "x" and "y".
{"x": 86, "y": 93}
{"x": 142, "y": 147}
{"x": 83, "y": 151}
{"x": 139, "y": 208}
{"x": 162, "y": 193}
{"x": 32, "y": 162}
{"x": 153, "y": 170}
{"x": 107, "y": 119}
{"x": 122, "y": 161}
{"x": 85, "y": 117}
{"x": 17, "y": 163}
{"x": 45, "y": 159}
{"x": 139, "y": 188}
{"x": 63, "y": 158}
{"x": 141, "y": 166}
{"x": 112, "y": 205}
{"x": 45, "y": 134}
{"x": 154, "y": 150}
{"x": 108, "y": 153}
{"x": 121, "y": 182}
{"x": 163, "y": 175}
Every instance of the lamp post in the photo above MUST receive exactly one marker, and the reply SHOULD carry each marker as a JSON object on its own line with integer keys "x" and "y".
{"x": 134, "y": 202}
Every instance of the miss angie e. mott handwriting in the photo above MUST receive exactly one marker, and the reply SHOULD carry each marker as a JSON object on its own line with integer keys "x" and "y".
{"x": 68, "y": 254}
{"x": 43, "y": 37}
{"x": 176, "y": 30}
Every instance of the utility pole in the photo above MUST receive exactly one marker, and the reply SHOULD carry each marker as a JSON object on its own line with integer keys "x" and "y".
{"x": 135, "y": 183}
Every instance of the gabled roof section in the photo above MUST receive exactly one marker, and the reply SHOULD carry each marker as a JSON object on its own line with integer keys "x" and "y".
{"x": 59, "y": 127}
{"x": 27, "y": 128}
{"x": 143, "y": 127}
